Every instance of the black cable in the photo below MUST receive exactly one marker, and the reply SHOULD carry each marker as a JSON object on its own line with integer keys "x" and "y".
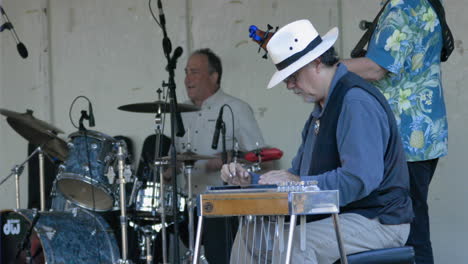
{"x": 152, "y": 14}
{"x": 71, "y": 108}
{"x": 234, "y": 139}
{"x": 228, "y": 221}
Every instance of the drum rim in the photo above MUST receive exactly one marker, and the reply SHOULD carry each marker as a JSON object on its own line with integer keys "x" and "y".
{"x": 90, "y": 181}
{"x": 92, "y": 133}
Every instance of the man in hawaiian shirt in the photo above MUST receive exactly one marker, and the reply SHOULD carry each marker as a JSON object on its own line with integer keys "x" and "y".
{"x": 403, "y": 61}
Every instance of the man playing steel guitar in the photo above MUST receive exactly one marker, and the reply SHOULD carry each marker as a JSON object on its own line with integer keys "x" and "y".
{"x": 350, "y": 143}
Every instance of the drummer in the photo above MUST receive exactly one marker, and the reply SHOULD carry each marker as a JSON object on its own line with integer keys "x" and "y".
{"x": 203, "y": 74}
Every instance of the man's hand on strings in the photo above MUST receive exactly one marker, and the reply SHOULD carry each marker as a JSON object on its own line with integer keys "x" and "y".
{"x": 235, "y": 174}
{"x": 277, "y": 176}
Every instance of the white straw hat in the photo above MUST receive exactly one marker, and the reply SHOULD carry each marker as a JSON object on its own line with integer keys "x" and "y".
{"x": 295, "y": 45}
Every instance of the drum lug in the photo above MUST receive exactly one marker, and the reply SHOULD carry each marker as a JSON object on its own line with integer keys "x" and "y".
{"x": 49, "y": 231}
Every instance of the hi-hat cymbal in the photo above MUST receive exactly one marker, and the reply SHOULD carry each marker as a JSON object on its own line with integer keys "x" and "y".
{"x": 157, "y": 106}
{"x": 37, "y": 132}
{"x": 189, "y": 156}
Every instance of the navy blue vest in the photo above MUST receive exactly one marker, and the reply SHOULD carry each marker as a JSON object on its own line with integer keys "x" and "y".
{"x": 390, "y": 202}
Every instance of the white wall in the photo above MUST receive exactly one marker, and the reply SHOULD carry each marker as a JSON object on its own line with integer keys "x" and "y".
{"x": 21, "y": 88}
{"x": 110, "y": 51}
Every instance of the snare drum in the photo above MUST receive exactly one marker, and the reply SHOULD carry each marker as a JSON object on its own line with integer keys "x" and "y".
{"x": 73, "y": 237}
{"x": 144, "y": 200}
{"x": 82, "y": 178}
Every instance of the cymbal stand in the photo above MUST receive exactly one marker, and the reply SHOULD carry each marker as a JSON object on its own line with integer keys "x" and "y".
{"x": 158, "y": 170}
{"x": 18, "y": 170}
{"x": 188, "y": 166}
{"x": 149, "y": 255}
{"x": 159, "y": 164}
{"x": 158, "y": 120}
{"x": 123, "y": 203}
{"x": 41, "y": 179}
{"x": 147, "y": 235}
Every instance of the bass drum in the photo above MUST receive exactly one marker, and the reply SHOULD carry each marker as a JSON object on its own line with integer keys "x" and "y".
{"x": 74, "y": 237}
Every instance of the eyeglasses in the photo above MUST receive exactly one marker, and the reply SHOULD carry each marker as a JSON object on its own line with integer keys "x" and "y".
{"x": 291, "y": 78}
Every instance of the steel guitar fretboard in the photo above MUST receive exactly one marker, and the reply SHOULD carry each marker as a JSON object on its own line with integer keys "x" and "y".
{"x": 293, "y": 199}
{"x": 289, "y": 199}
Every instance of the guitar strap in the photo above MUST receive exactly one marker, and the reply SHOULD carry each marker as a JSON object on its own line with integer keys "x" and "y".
{"x": 447, "y": 38}
{"x": 359, "y": 50}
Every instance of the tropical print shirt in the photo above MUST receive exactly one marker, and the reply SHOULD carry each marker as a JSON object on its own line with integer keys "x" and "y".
{"x": 407, "y": 42}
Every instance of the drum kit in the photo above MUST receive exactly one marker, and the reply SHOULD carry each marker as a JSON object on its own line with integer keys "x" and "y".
{"x": 94, "y": 178}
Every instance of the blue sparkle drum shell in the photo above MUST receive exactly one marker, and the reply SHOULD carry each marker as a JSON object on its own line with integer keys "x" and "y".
{"x": 75, "y": 237}
{"x": 82, "y": 178}
{"x": 58, "y": 202}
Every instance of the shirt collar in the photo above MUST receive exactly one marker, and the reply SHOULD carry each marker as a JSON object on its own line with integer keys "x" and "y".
{"x": 341, "y": 70}
{"x": 213, "y": 99}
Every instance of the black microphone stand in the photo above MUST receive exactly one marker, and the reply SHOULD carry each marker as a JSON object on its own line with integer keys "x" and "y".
{"x": 224, "y": 156}
{"x": 84, "y": 116}
{"x": 177, "y": 127}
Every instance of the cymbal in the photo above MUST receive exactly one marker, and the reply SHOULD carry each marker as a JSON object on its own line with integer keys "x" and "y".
{"x": 37, "y": 132}
{"x": 189, "y": 156}
{"x": 155, "y": 107}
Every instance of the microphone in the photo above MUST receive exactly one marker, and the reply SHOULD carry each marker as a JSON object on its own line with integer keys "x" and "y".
{"x": 23, "y": 52}
{"x": 176, "y": 55}
{"x": 219, "y": 124}
{"x": 91, "y": 115}
{"x": 265, "y": 154}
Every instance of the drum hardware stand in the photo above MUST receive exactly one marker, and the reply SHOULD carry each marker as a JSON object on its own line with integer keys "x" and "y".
{"x": 136, "y": 186}
{"x": 145, "y": 243}
{"x": 123, "y": 206}
{"x": 18, "y": 170}
{"x": 196, "y": 253}
{"x": 42, "y": 179}
{"x": 26, "y": 243}
{"x": 158, "y": 166}
{"x": 149, "y": 236}
{"x": 188, "y": 166}
{"x": 158, "y": 170}
{"x": 149, "y": 256}
{"x": 177, "y": 126}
